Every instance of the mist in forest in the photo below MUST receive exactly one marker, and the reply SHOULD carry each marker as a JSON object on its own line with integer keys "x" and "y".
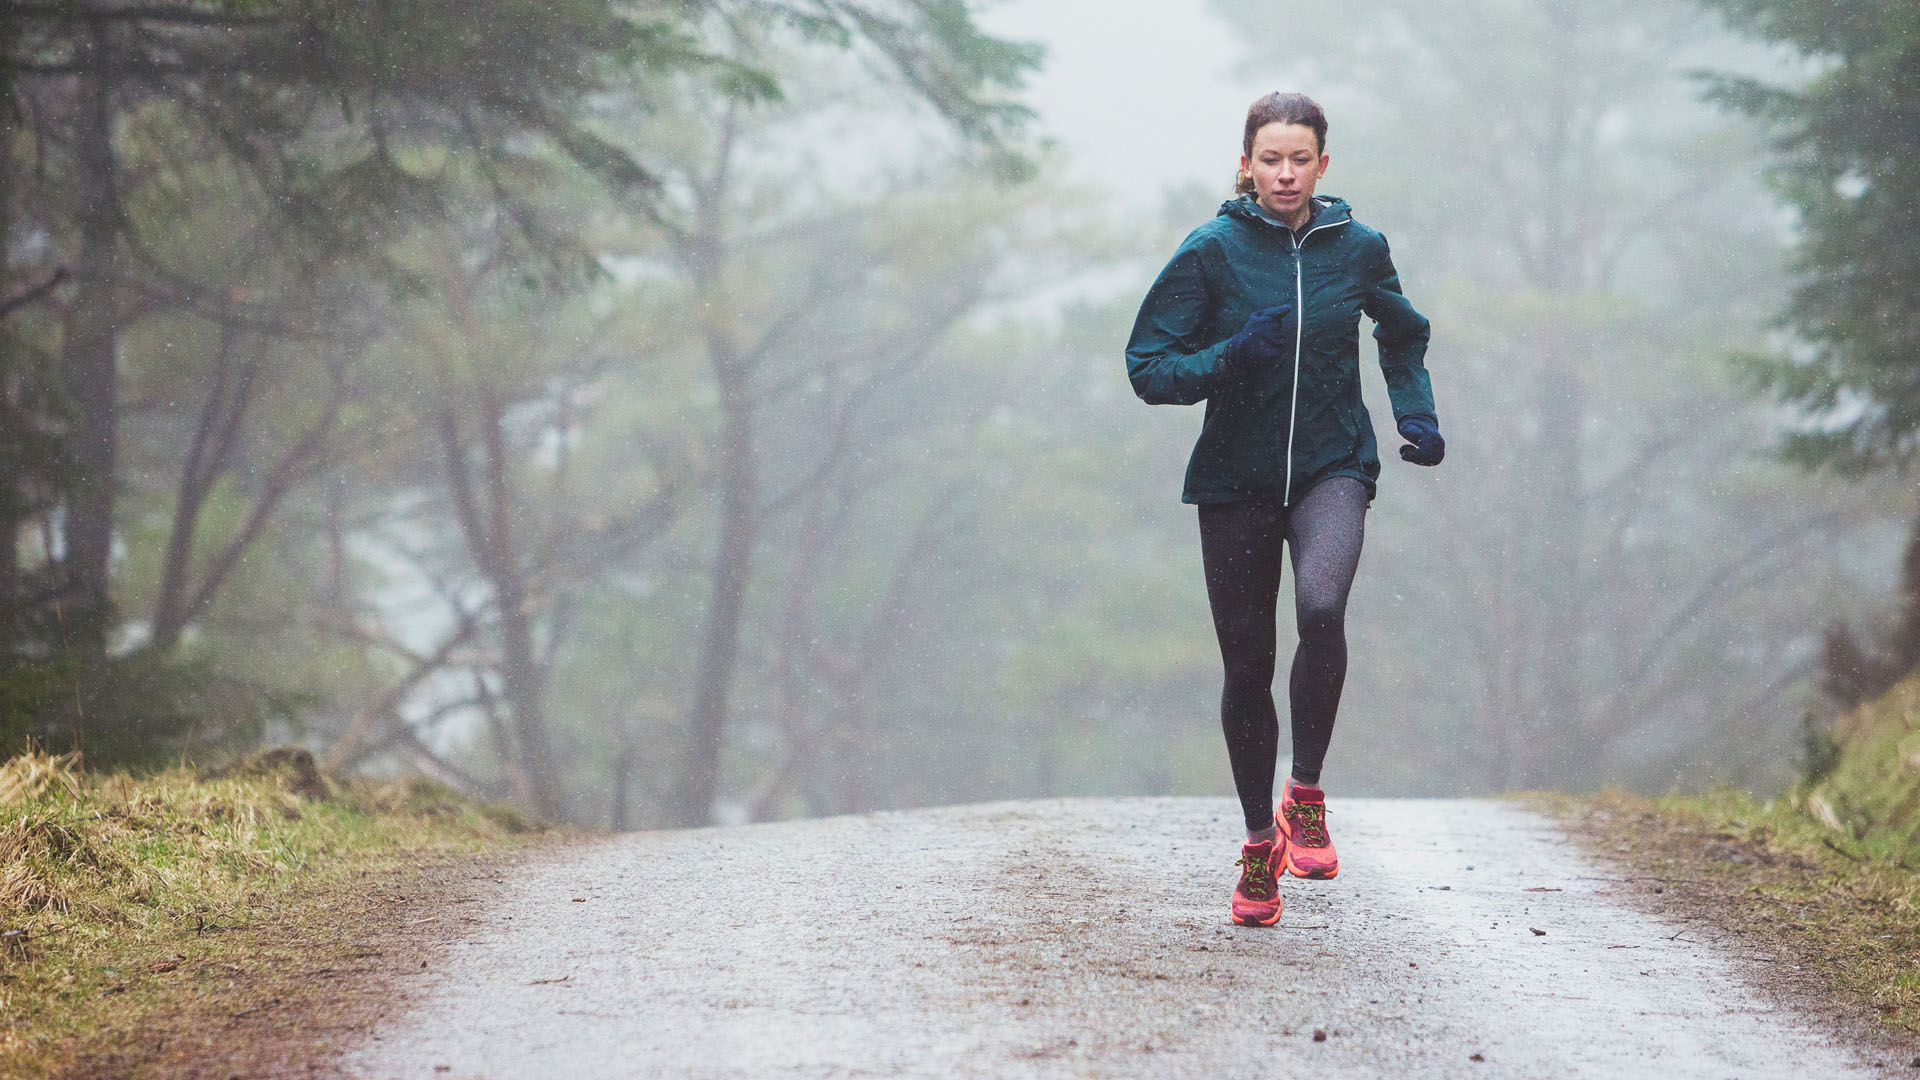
{"x": 664, "y": 422}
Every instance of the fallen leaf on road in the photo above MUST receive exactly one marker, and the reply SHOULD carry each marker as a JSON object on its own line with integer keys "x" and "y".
{"x": 1543, "y": 888}
{"x": 1537, "y": 932}
{"x": 1477, "y": 1057}
{"x": 549, "y": 982}
{"x": 1319, "y": 1034}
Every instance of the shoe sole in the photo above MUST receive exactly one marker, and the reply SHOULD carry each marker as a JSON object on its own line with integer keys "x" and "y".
{"x": 1313, "y": 875}
{"x": 1238, "y": 921}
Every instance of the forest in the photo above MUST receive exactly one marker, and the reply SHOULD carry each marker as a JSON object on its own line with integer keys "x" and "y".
{"x": 666, "y": 412}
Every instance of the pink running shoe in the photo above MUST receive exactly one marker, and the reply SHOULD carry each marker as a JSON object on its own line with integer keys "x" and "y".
{"x": 1256, "y": 900}
{"x": 1302, "y": 821}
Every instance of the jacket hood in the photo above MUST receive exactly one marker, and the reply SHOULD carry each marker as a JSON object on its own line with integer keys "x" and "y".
{"x": 1332, "y": 208}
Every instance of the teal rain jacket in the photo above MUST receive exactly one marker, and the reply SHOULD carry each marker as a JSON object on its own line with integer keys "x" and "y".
{"x": 1281, "y": 426}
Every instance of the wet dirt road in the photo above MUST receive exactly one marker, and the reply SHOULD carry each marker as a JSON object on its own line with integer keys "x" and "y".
{"x": 1086, "y": 938}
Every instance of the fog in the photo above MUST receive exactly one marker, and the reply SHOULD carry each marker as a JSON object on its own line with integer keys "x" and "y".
{"x": 749, "y": 436}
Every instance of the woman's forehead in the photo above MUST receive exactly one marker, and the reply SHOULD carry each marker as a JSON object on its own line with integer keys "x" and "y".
{"x": 1284, "y": 137}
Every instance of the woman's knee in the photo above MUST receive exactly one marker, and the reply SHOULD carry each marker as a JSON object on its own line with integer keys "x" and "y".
{"x": 1249, "y": 672}
{"x": 1319, "y": 620}
{"x": 1249, "y": 660}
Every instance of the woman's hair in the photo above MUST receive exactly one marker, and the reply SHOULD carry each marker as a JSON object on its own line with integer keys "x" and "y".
{"x": 1278, "y": 108}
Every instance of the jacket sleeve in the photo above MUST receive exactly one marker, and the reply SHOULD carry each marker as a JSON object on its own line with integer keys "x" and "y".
{"x": 1402, "y": 335}
{"x": 1166, "y": 361}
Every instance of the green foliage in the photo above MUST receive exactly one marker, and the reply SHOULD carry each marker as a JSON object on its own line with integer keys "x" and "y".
{"x": 1819, "y": 751}
{"x": 1849, "y": 165}
{"x": 1869, "y": 793}
{"x": 137, "y": 710}
{"x": 329, "y": 218}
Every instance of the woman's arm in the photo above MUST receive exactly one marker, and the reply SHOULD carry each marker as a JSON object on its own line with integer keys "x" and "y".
{"x": 1165, "y": 361}
{"x": 1402, "y": 334}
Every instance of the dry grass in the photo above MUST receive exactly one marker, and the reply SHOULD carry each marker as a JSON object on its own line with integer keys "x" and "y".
{"x": 141, "y": 919}
{"x": 34, "y": 776}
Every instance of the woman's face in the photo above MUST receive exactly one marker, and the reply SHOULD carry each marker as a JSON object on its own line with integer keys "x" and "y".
{"x": 1285, "y": 165}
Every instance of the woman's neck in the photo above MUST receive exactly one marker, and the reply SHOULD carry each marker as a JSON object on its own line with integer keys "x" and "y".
{"x": 1296, "y": 221}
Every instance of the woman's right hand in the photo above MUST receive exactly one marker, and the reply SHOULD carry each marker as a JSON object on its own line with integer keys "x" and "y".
{"x": 1265, "y": 337}
{"x": 1422, "y": 433}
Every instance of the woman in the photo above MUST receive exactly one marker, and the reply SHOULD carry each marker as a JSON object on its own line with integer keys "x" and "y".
{"x": 1258, "y": 315}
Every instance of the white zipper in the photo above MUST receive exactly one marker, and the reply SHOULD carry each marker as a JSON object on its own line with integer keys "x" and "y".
{"x": 1299, "y": 339}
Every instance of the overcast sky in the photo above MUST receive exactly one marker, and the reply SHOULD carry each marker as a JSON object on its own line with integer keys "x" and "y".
{"x": 1141, "y": 93}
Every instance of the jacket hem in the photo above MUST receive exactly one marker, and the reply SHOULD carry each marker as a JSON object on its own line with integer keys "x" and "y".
{"x": 1215, "y": 498}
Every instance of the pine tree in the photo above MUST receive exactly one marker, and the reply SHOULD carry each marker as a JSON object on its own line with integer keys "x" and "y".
{"x": 1850, "y": 167}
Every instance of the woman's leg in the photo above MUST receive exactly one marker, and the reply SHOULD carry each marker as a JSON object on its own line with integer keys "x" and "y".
{"x": 1324, "y": 532}
{"x": 1240, "y": 548}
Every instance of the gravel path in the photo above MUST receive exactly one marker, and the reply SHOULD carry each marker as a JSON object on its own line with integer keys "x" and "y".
{"x": 1085, "y": 938}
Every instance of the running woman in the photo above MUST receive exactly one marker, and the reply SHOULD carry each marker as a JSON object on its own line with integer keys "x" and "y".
{"x": 1258, "y": 315}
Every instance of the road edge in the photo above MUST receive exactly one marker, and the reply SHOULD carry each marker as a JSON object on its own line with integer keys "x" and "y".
{"x": 1709, "y": 879}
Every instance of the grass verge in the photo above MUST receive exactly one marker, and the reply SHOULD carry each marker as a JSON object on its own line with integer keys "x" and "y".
{"x": 1830, "y": 927}
{"x": 1824, "y": 881}
{"x": 242, "y": 923}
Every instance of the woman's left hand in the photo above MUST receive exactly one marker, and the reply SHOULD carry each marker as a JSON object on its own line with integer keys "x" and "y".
{"x": 1423, "y": 432}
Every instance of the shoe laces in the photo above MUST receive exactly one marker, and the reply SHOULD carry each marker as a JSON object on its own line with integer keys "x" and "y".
{"x": 1309, "y": 823}
{"x": 1257, "y": 871}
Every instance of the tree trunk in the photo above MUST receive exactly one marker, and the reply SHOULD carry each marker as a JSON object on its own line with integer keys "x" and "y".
{"x": 705, "y": 249}
{"x": 208, "y": 452}
{"x": 87, "y": 363}
{"x": 1560, "y": 702}
{"x": 489, "y": 535}
{"x": 726, "y": 605}
{"x": 620, "y": 813}
{"x": 1556, "y": 715}
{"x": 522, "y": 680}
{"x": 10, "y": 502}
{"x": 793, "y": 650}
{"x": 13, "y": 495}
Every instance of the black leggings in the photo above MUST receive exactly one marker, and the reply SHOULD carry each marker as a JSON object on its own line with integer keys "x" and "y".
{"x": 1240, "y": 547}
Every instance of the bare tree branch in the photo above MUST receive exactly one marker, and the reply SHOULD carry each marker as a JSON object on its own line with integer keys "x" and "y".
{"x": 298, "y": 463}
{"x": 33, "y": 295}
{"x": 354, "y": 744}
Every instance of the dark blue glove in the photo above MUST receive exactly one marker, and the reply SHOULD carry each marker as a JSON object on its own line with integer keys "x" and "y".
{"x": 1423, "y": 432}
{"x": 1268, "y": 335}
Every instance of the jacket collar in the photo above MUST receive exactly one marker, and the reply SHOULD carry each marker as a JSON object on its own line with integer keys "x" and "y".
{"x": 1328, "y": 210}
